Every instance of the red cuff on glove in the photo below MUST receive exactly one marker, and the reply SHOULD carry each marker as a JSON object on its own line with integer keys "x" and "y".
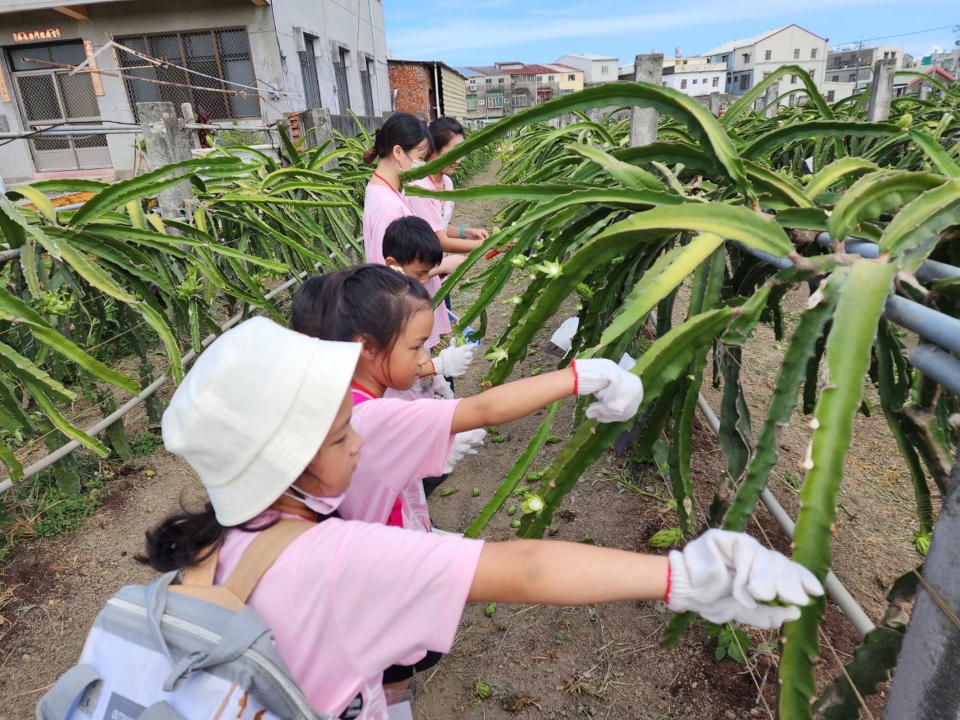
{"x": 666, "y": 595}
{"x": 576, "y": 377}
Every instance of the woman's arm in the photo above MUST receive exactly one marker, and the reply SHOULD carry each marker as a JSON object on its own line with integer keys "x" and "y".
{"x": 565, "y": 573}
{"x": 454, "y": 244}
{"x": 448, "y": 265}
{"x": 512, "y": 401}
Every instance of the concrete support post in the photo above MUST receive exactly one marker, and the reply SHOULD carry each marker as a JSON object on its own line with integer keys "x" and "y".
{"x": 881, "y": 91}
{"x": 643, "y": 121}
{"x": 715, "y": 103}
{"x": 318, "y": 123}
{"x": 924, "y": 682}
{"x": 769, "y": 97}
{"x": 166, "y": 142}
{"x": 924, "y": 90}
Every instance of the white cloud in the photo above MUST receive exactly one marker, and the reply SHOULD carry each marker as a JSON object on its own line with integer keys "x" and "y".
{"x": 467, "y": 33}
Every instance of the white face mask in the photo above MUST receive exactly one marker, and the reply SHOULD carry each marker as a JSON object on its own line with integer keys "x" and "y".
{"x": 416, "y": 164}
{"x": 320, "y": 505}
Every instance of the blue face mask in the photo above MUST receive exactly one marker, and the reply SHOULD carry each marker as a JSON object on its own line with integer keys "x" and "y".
{"x": 320, "y": 505}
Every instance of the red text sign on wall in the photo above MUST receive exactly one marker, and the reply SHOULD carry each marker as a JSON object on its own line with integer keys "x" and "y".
{"x": 34, "y": 35}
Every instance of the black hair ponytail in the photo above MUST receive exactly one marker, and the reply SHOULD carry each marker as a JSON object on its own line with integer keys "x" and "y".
{"x": 443, "y": 130}
{"x": 401, "y": 129}
{"x": 371, "y": 302}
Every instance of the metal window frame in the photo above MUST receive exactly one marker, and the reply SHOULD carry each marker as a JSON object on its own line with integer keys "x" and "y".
{"x": 217, "y": 54}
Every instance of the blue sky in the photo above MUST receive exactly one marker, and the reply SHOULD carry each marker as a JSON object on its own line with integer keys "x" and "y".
{"x": 480, "y": 32}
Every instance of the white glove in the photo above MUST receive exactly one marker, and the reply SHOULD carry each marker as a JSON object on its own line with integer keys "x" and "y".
{"x": 464, "y": 443}
{"x": 442, "y": 388}
{"x": 563, "y": 335}
{"x": 618, "y": 392}
{"x": 454, "y": 361}
{"x": 724, "y": 575}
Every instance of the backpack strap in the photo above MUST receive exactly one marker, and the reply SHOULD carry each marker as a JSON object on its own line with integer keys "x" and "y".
{"x": 262, "y": 553}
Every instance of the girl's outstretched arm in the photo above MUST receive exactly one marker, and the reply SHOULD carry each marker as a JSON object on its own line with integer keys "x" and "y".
{"x": 618, "y": 394}
{"x": 512, "y": 401}
{"x": 566, "y": 573}
{"x": 722, "y": 575}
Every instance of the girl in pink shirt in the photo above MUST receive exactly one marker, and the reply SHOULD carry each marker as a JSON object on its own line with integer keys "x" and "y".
{"x": 446, "y": 134}
{"x": 264, "y": 419}
{"x": 403, "y": 143}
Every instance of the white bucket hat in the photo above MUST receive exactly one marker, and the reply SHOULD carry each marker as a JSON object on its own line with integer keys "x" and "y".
{"x": 253, "y": 411}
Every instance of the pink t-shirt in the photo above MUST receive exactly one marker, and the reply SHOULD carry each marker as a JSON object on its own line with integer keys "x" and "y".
{"x": 404, "y": 441}
{"x": 381, "y": 206}
{"x": 435, "y": 211}
{"x": 347, "y": 600}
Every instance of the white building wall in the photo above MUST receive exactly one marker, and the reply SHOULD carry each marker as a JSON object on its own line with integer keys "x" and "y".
{"x": 273, "y": 55}
{"x": 696, "y": 82}
{"x": 593, "y": 67}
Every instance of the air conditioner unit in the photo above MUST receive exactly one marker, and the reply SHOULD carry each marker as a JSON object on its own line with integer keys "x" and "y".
{"x": 482, "y": 102}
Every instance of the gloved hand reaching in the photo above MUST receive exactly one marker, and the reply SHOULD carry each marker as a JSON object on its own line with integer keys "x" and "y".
{"x": 454, "y": 361}
{"x": 441, "y": 388}
{"x": 464, "y": 443}
{"x": 618, "y": 392}
{"x": 725, "y": 576}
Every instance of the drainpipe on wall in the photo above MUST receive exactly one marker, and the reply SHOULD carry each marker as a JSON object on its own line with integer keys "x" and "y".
{"x": 436, "y": 87}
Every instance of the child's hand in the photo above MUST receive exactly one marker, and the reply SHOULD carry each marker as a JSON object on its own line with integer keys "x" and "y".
{"x": 725, "y": 576}
{"x": 618, "y": 392}
{"x": 442, "y": 388}
{"x": 454, "y": 361}
{"x": 449, "y": 263}
{"x": 464, "y": 443}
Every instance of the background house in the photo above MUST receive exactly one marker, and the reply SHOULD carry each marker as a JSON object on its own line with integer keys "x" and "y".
{"x": 694, "y": 76}
{"x": 233, "y": 60}
{"x": 749, "y": 60}
{"x": 854, "y": 64}
{"x": 596, "y": 68}
{"x": 428, "y": 89}
{"x": 494, "y": 91}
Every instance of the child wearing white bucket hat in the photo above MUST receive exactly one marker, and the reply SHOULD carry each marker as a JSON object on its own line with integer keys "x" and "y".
{"x": 263, "y": 418}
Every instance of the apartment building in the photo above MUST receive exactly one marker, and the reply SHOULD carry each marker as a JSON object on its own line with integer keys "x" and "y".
{"x": 694, "y": 76}
{"x": 749, "y": 60}
{"x": 596, "y": 68}
{"x": 259, "y": 61}
{"x": 494, "y": 91}
{"x": 854, "y": 63}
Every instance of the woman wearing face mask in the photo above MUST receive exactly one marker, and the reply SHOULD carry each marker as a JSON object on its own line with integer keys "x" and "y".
{"x": 404, "y": 142}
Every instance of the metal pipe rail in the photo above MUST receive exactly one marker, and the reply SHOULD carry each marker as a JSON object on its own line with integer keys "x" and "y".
{"x": 926, "y": 322}
{"x": 97, "y": 428}
{"x": 835, "y": 589}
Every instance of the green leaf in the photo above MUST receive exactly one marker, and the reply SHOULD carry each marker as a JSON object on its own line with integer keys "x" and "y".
{"x": 926, "y": 216}
{"x": 877, "y": 194}
{"x": 629, "y": 175}
{"x": 816, "y": 129}
{"x": 667, "y": 273}
{"x": 847, "y": 358}
{"x": 833, "y": 173}
{"x": 61, "y": 423}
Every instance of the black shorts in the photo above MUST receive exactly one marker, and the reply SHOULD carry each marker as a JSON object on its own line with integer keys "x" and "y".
{"x": 396, "y": 673}
{"x": 432, "y": 483}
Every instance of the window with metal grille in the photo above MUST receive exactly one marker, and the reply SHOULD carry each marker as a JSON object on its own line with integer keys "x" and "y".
{"x": 366, "y": 84}
{"x": 220, "y": 55}
{"x": 340, "y": 75}
{"x": 308, "y": 68}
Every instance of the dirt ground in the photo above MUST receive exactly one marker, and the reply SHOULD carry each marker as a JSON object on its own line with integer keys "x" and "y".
{"x": 538, "y": 662}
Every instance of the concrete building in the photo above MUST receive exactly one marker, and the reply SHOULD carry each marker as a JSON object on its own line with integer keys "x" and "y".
{"x": 494, "y": 91}
{"x": 751, "y": 59}
{"x": 854, "y": 63}
{"x": 921, "y": 88}
{"x": 694, "y": 76}
{"x": 596, "y": 68}
{"x": 250, "y": 61}
{"x": 428, "y": 89}
{"x": 948, "y": 60}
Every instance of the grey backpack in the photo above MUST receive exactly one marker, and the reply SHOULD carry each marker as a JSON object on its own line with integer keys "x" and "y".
{"x": 186, "y": 651}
